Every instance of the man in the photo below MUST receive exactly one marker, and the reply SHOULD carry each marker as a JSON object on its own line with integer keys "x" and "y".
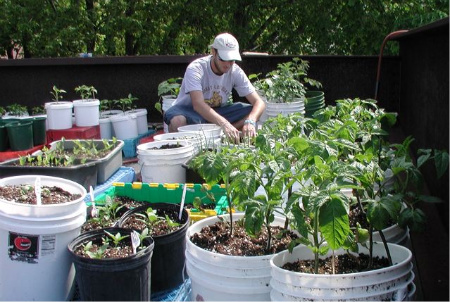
{"x": 206, "y": 88}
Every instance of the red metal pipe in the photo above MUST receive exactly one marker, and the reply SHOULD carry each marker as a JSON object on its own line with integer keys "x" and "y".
{"x": 386, "y": 39}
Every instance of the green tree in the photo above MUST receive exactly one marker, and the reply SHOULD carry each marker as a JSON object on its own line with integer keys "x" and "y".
{"x": 126, "y": 27}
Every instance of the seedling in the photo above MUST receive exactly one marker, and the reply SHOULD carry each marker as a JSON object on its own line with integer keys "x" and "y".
{"x": 117, "y": 238}
{"x": 86, "y": 92}
{"x": 57, "y": 93}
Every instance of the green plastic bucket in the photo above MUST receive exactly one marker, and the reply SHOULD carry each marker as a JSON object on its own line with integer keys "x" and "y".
{"x": 39, "y": 134}
{"x": 20, "y": 134}
{"x": 4, "y": 143}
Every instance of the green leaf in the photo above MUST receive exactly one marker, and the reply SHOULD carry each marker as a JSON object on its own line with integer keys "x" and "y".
{"x": 334, "y": 223}
{"x": 441, "y": 162}
{"x": 414, "y": 219}
{"x": 380, "y": 212}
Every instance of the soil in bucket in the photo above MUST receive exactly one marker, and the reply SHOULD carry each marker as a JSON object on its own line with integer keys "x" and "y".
{"x": 170, "y": 242}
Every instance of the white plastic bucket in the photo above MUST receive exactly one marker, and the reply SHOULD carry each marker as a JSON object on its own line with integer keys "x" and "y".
{"x": 273, "y": 109}
{"x": 211, "y": 133}
{"x": 125, "y": 126}
{"x": 34, "y": 260}
{"x": 218, "y": 277}
{"x": 59, "y": 115}
{"x": 195, "y": 138}
{"x": 164, "y": 165}
{"x": 141, "y": 119}
{"x": 87, "y": 112}
{"x": 105, "y": 128}
{"x": 167, "y": 102}
{"x": 380, "y": 284}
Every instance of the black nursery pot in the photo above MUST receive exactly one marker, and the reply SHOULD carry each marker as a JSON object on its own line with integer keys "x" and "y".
{"x": 168, "y": 255}
{"x": 124, "y": 279}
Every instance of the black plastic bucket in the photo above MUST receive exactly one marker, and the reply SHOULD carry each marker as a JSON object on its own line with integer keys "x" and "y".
{"x": 124, "y": 279}
{"x": 168, "y": 254}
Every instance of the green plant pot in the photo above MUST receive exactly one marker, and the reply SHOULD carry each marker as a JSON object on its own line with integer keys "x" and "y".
{"x": 4, "y": 143}
{"x": 39, "y": 135}
{"x": 20, "y": 135}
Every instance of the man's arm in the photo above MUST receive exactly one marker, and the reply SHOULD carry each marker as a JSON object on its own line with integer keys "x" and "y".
{"x": 204, "y": 109}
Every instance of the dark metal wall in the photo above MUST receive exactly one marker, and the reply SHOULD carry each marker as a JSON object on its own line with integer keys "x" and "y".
{"x": 424, "y": 97}
{"x": 29, "y": 82}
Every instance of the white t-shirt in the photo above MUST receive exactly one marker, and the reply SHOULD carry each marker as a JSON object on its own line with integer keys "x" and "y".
{"x": 216, "y": 89}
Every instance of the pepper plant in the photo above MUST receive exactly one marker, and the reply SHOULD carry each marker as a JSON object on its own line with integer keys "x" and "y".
{"x": 86, "y": 92}
{"x": 285, "y": 83}
{"x": 57, "y": 93}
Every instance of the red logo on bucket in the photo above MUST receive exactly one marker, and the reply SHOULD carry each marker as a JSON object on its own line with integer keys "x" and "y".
{"x": 22, "y": 243}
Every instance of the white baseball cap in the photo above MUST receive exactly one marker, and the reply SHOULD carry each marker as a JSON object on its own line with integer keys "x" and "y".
{"x": 227, "y": 46}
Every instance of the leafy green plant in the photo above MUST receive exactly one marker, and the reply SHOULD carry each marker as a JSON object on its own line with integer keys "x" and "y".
{"x": 286, "y": 83}
{"x": 347, "y": 148}
{"x": 57, "y": 93}
{"x": 82, "y": 151}
{"x": 151, "y": 219}
{"x": 115, "y": 239}
{"x": 37, "y": 110}
{"x": 126, "y": 103}
{"x": 17, "y": 110}
{"x": 170, "y": 87}
{"x": 107, "y": 105}
{"x": 95, "y": 253}
{"x": 2, "y": 111}
{"x": 243, "y": 170}
{"x": 86, "y": 92}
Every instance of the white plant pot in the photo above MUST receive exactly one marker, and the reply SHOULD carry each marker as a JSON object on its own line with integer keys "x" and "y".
{"x": 125, "y": 126}
{"x": 141, "y": 116}
{"x": 387, "y": 284}
{"x": 193, "y": 137}
{"x": 211, "y": 133}
{"x": 167, "y": 102}
{"x": 33, "y": 243}
{"x": 86, "y": 112}
{"x": 218, "y": 277}
{"x": 105, "y": 128}
{"x": 59, "y": 115}
{"x": 164, "y": 165}
{"x": 107, "y": 114}
{"x": 273, "y": 109}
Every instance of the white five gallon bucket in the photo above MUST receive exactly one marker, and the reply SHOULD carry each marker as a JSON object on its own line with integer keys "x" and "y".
{"x": 167, "y": 102}
{"x": 195, "y": 138}
{"x": 59, "y": 115}
{"x": 210, "y": 132}
{"x": 141, "y": 119}
{"x": 384, "y": 284}
{"x": 273, "y": 109}
{"x": 218, "y": 277}
{"x": 124, "y": 125}
{"x": 86, "y": 112}
{"x": 160, "y": 165}
{"x": 34, "y": 259}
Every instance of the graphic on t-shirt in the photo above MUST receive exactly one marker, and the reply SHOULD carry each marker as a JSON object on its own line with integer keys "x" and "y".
{"x": 215, "y": 101}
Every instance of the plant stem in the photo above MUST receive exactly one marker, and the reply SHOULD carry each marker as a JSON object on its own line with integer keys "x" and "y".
{"x": 388, "y": 253}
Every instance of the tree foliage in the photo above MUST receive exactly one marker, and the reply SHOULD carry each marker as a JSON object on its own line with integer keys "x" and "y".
{"x": 58, "y": 28}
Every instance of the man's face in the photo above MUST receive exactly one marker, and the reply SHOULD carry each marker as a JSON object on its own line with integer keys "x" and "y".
{"x": 221, "y": 65}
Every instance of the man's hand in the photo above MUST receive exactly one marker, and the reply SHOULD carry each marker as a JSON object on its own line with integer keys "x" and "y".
{"x": 230, "y": 131}
{"x": 249, "y": 128}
